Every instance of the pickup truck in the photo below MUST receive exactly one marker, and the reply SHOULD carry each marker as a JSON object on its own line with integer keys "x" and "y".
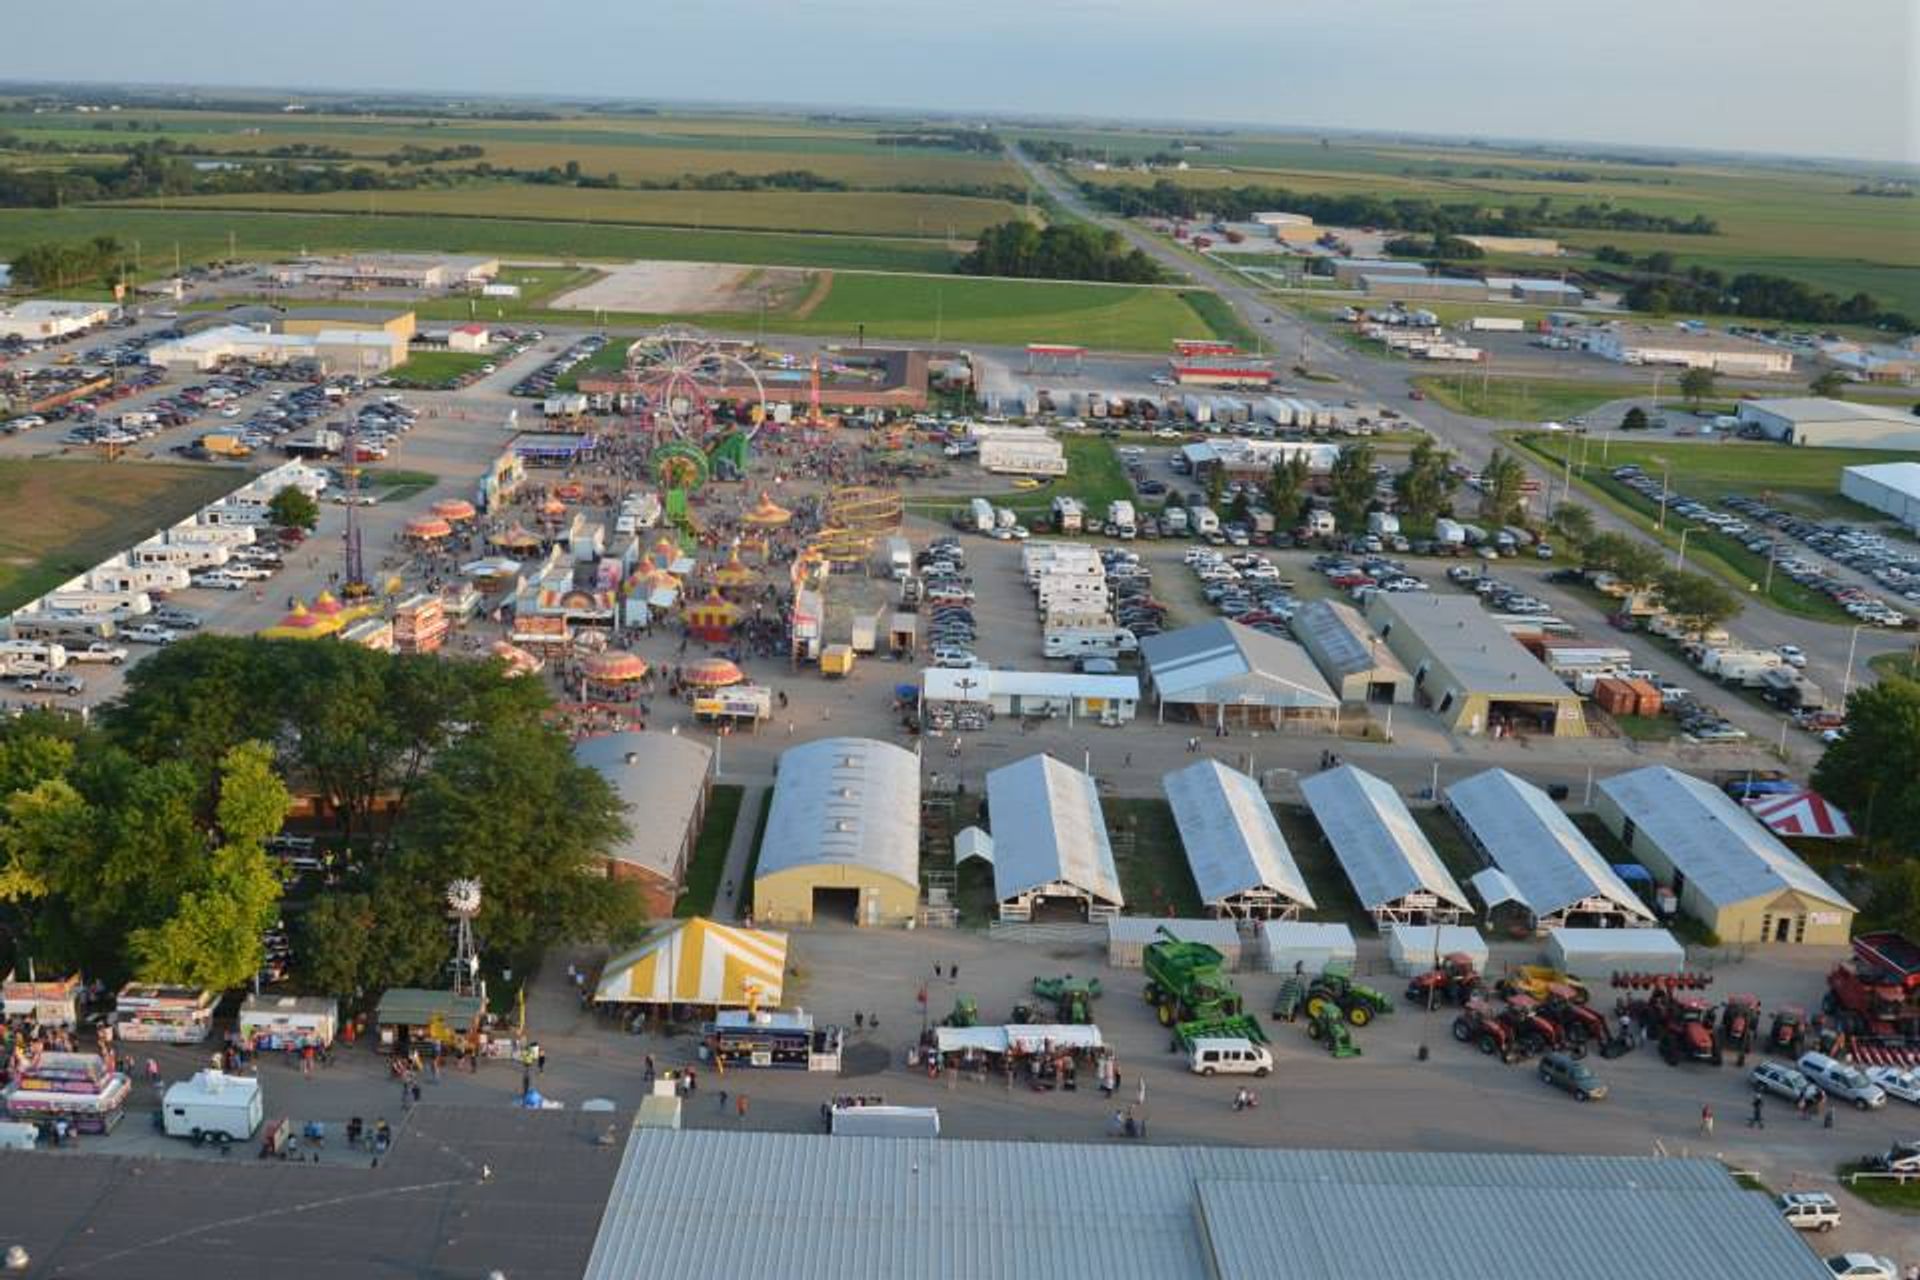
{"x": 54, "y": 682}
{"x": 147, "y": 633}
{"x": 178, "y": 619}
{"x": 98, "y": 651}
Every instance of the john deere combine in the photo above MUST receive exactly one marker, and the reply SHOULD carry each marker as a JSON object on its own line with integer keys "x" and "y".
{"x": 1189, "y": 989}
{"x": 1072, "y": 998}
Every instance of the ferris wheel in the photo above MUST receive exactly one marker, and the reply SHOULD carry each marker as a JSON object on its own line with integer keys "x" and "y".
{"x": 684, "y": 379}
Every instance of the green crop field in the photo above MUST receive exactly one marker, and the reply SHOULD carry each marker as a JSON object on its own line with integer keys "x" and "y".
{"x": 437, "y": 369}
{"x": 963, "y": 309}
{"x": 1521, "y": 399}
{"x": 59, "y": 518}
{"x": 884, "y": 213}
{"x": 201, "y": 235}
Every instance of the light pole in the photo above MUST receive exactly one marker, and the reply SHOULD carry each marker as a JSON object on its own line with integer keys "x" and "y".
{"x": 1853, "y": 641}
{"x": 1663, "y": 497}
{"x": 1681, "y": 561}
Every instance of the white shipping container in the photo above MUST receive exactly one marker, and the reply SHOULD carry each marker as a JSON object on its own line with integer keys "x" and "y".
{"x": 1497, "y": 324}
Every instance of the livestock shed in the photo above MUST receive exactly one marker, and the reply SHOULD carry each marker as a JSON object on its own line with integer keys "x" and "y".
{"x": 664, "y": 780}
{"x": 1222, "y": 673}
{"x": 1052, "y": 859}
{"x": 1356, "y": 662}
{"x": 1553, "y": 873}
{"x": 1892, "y": 488}
{"x": 1304, "y": 946}
{"x": 1240, "y": 861}
{"x": 1596, "y": 954}
{"x": 1128, "y": 936}
{"x": 1729, "y": 872}
{"x": 1416, "y": 948}
{"x": 842, "y": 840}
{"x": 707, "y": 1202}
{"x": 1474, "y": 675}
{"x": 1831, "y": 424}
{"x": 1392, "y": 866}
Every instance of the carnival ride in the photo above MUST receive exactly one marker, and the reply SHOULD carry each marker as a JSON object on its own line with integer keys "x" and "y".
{"x": 701, "y": 404}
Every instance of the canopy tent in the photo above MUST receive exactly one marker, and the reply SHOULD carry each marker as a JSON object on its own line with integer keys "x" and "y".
{"x": 767, "y": 513}
{"x": 1025, "y": 1038}
{"x": 517, "y": 538}
{"x": 712, "y": 673}
{"x": 699, "y": 962}
{"x": 734, "y": 576}
{"x": 453, "y": 509}
{"x": 301, "y": 624}
{"x": 712, "y": 618}
{"x": 519, "y": 661}
{"x": 491, "y": 567}
{"x": 1800, "y": 813}
{"x": 613, "y": 666}
{"x": 1595, "y": 953}
{"x": 428, "y": 528}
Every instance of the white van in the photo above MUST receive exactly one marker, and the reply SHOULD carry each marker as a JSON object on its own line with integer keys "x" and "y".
{"x": 1841, "y": 1082}
{"x": 1230, "y": 1056}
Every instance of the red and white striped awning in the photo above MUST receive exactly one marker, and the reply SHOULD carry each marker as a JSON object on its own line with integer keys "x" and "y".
{"x": 1800, "y": 813}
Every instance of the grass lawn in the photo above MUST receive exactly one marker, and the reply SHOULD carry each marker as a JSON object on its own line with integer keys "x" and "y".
{"x": 702, "y": 884}
{"x": 1334, "y": 900}
{"x": 436, "y": 370}
{"x": 538, "y": 284}
{"x": 1094, "y": 475}
{"x": 1648, "y": 728}
{"x": 610, "y": 357}
{"x": 759, "y": 836}
{"x": 1155, "y": 877}
{"x": 1222, "y": 319}
{"x": 399, "y": 484}
{"x": 1447, "y": 841}
{"x": 1521, "y": 399}
{"x": 1012, "y": 312}
{"x": 1895, "y": 664}
{"x": 1902, "y": 1197}
{"x": 60, "y": 518}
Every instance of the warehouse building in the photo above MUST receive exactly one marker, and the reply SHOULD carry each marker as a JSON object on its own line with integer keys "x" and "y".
{"x": 1052, "y": 859}
{"x": 1473, "y": 674}
{"x": 1221, "y": 371}
{"x": 1221, "y": 673}
{"x": 399, "y": 326}
{"x": 1831, "y": 424}
{"x": 355, "y": 351}
{"x": 1391, "y": 864}
{"x": 1668, "y": 345}
{"x": 1890, "y": 487}
{"x": 1873, "y": 361}
{"x": 1254, "y": 460}
{"x": 1541, "y": 863}
{"x": 1351, "y": 271}
{"x": 41, "y": 319}
{"x": 1729, "y": 872}
{"x": 664, "y": 780}
{"x": 842, "y": 840}
{"x": 1240, "y": 861}
{"x": 392, "y": 271}
{"x": 1425, "y": 288}
{"x": 689, "y": 1202}
{"x": 1356, "y": 662}
{"x": 1536, "y": 292}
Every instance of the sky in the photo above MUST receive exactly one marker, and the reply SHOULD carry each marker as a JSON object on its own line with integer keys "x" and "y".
{"x": 1743, "y": 75}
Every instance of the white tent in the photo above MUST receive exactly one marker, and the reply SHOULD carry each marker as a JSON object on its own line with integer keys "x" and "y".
{"x": 1594, "y": 954}
{"x": 1310, "y": 947}
{"x": 1411, "y": 948}
{"x": 972, "y": 842}
{"x": 1128, "y": 937}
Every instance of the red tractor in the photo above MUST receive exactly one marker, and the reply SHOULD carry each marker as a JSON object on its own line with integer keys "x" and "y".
{"x": 1455, "y": 981}
{"x": 1738, "y": 1023}
{"x": 1683, "y": 1025}
{"x": 1788, "y": 1035}
{"x": 1478, "y": 1024}
{"x": 1879, "y": 994}
{"x": 1533, "y": 1032}
{"x": 1582, "y": 1025}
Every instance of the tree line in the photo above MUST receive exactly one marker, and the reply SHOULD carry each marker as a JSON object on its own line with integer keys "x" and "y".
{"x": 1656, "y": 283}
{"x": 983, "y": 140}
{"x": 1070, "y": 251}
{"x": 136, "y": 848}
{"x": 62, "y": 263}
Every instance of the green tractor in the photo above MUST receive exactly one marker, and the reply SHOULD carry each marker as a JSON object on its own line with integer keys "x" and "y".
{"x": 1326, "y": 1027}
{"x": 1335, "y": 989}
{"x": 966, "y": 1012}
{"x": 1072, "y": 998}
{"x": 1189, "y": 990}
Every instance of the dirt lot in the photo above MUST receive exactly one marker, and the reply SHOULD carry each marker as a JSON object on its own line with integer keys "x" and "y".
{"x": 687, "y": 288}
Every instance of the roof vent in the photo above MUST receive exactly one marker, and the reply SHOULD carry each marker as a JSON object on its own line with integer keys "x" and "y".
{"x": 843, "y": 824}
{"x": 633, "y": 757}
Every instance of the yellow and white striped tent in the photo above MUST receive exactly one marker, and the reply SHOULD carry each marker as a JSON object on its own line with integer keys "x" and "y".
{"x": 699, "y": 962}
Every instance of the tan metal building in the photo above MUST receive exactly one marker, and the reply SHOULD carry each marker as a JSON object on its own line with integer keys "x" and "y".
{"x": 1728, "y": 870}
{"x": 1359, "y": 665}
{"x": 842, "y": 841}
{"x": 1469, "y": 671}
{"x": 312, "y": 320}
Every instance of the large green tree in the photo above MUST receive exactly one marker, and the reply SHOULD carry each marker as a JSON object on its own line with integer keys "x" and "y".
{"x": 1873, "y": 772}
{"x": 1287, "y": 490}
{"x": 293, "y": 508}
{"x": 1501, "y": 489}
{"x": 1831, "y": 383}
{"x": 1352, "y": 482}
{"x": 1427, "y": 482}
{"x": 1697, "y": 384}
{"x": 1574, "y": 523}
{"x": 1636, "y": 564}
{"x": 1699, "y": 602}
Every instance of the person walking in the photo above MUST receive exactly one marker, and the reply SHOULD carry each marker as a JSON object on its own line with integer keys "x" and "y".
{"x": 1757, "y": 1120}
{"x": 740, "y": 1106}
{"x": 1706, "y": 1121}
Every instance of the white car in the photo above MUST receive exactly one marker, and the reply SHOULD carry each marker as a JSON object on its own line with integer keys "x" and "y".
{"x": 248, "y": 572}
{"x": 1809, "y": 1210}
{"x": 947, "y": 657}
{"x": 221, "y": 581}
{"x": 1862, "y": 1266}
{"x": 1792, "y": 655}
{"x": 1896, "y": 1082}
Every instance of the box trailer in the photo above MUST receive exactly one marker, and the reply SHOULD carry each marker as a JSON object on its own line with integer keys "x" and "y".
{"x": 212, "y": 1107}
{"x": 288, "y": 1022}
{"x": 1497, "y": 324}
{"x": 899, "y": 559}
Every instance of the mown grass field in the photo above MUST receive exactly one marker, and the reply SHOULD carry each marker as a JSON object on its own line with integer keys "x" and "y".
{"x": 881, "y": 213}
{"x": 59, "y": 518}
{"x": 202, "y": 234}
{"x": 1094, "y": 475}
{"x": 1521, "y": 399}
{"x": 437, "y": 369}
{"x": 709, "y": 859}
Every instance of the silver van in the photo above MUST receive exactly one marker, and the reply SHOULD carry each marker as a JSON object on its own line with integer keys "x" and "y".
{"x": 1841, "y": 1082}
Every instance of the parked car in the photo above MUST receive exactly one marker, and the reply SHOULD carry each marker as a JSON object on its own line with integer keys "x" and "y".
{"x": 1809, "y": 1210}
{"x": 147, "y": 633}
{"x": 98, "y": 651}
{"x": 1783, "y": 1081}
{"x": 1861, "y": 1266}
{"x": 1564, "y": 1071}
{"x": 1898, "y": 1082}
{"x": 1841, "y": 1082}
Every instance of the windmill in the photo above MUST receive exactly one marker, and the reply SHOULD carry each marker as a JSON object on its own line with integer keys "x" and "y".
{"x": 463, "y": 901}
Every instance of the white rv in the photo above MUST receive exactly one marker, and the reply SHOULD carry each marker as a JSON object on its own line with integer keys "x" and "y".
{"x": 1089, "y": 642}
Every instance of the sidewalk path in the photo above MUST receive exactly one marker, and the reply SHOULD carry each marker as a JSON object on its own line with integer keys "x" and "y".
{"x": 726, "y": 906}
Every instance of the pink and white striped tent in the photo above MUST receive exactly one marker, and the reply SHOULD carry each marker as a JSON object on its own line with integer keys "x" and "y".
{"x": 1800, "y": 813}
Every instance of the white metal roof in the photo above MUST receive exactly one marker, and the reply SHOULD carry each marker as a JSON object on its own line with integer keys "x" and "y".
{"x": 845, "y": 800}
{"x": 1380, "y": 846}
{"x": 1223, "y": 661}
{"x": 1223, "y": 934}
{"x": 1338, "y": 638}
{"x": 1233, "y": 843}
{"x": 1723, "y": 850}
{"x": 1048, "y": 829}
{"x": 951, "y": 684}
{"x": 813, "y": 1207}
{"x": 1820, "y": 409}
{"x": 1473, "y": 650}
{"x": 659, "y": 777}
{"x": 1552, "y": 866}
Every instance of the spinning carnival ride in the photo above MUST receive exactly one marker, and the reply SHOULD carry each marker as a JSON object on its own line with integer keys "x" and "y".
{"x": 701, "y": 404}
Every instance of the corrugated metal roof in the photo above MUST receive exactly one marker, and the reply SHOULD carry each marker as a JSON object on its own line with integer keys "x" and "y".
{"x": 1722, "y": 850}
{"x": 1047, "y": 828}
{"x": 1338, "y": 638}
{"x": 1475, "y": 651}
{"x": 1382, "y": 849}
{"x": 659, "y": 778}
{"x": 1551, "y": 865}
{"x": 1224, "y": 934}
{"x": 1233, "y": 843}
{"x": 845, "y": 800}
{"x": 1222, "y": 661}
{"x": 698, "y": 1203}
{"x": 954, "y": 684}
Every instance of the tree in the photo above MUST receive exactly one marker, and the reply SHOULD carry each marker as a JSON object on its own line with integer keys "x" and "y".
{"x": 293, "y": 508}
{"x": 1574, "y": 522}
{"x": 1287, "y": 490}
{"x": 1427, "y": 482}
{"x": 1353, "y": 484}
{"x": 1696, "y": 384}
{"x": 1636, "y": 564}
{"x": 1893, "y": 901}
{"x": 1701, "y": 603}
{"x": 1873, "y": 772}
{"x": 1500, "y": 487}
{"x": 1831, "y": 383}
{"x": 1634, "y": 419}
{"x": 1242, "y": 509}
{"x": 1216, "y": 487}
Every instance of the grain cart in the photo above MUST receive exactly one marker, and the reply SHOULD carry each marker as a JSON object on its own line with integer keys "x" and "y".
{"x": 1537, "y": 980}
{"x": 1879, "y": 994}
{"x": 1357, "y": 1003}
{"x": 1327, "y": 1028}
{"x": 1072, "y": 998}
{"x": 1188, "y": 987}
{"x": 1455, "y": 981}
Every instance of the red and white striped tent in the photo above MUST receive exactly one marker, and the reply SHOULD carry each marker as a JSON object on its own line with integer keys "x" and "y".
{"x": 1800, "y": 813}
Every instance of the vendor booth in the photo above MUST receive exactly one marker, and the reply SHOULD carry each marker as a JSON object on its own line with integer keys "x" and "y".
{"x": 76, "y": 1088}
{"x": 169, "y": 1015}
{"x": 776, "y": 1039}
{"x": 1595, "y": 954}
{"x": 1302, "y": 946}
{"x": 410, "y": 1018}
{"x": 1128, "y": 937}
{"x": 1414, "y": 948}
{"x": 54, "y": 1002}
{"x": 289, "y": 1022}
